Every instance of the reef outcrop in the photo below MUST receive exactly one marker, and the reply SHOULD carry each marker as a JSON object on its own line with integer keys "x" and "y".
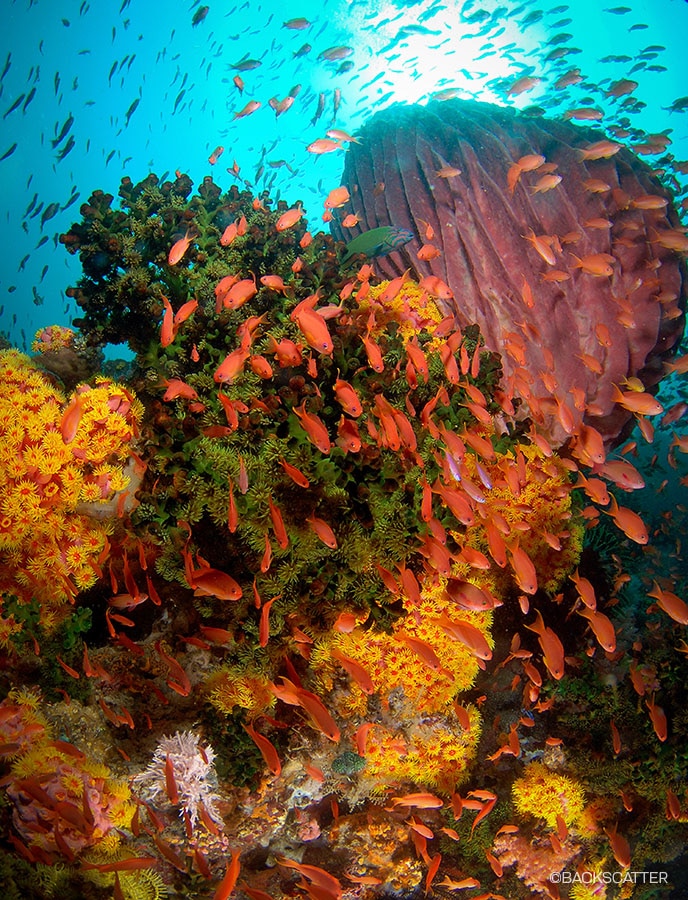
{"x": 562, "y": 245}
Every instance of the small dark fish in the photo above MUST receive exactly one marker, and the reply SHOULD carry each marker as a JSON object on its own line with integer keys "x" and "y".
{"x": 321, "y": 108}
{"x": 109, "y": 157}
{"x": 31, "y": 205}
{"x": 346, "y": 66}
{"x": 49, "y": 212}
{"x": 7, "y": 66}
{"x": 618, "y": 10}
{"x": 112, "y": 71}
{"x": 43, "y": 240}
{"x": 63, "y": 133}
{"x": 245, "y": 64}
{"x": 199, "y": 15}
{"x": 680, "y": 105}
{"x": 132, "y": 109}
{"x": 68, "y": 147}
{"x": 378, "y": 241}
{"x": 333, "y": 54}
{"x": 37, "y": 299}
{"x": 23, "y": 263}
{"x": 56, "y": 82}
{"x": 37, "y": 210}
{"x": 43, "y": 273}
{"x": 303, "y": 50}
{"x": 178, "y": 100}
{"x": 29, "y": 98}
{"x": 17, "y": 103}
{"x": 71, "y": 200}
{"x": 66, "y": 23}
{"x": 639, "y": 27}
{"x": 9, "y": 152}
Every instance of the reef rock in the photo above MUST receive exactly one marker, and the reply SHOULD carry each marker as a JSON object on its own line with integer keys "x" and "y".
{"x": 556, "y": 319}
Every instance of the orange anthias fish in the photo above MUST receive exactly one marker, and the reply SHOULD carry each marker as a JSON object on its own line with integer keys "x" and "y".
{"x": 347, "y": 398}
{"x": 323, "y": 145}
{"x": 629, "y": 522}
{"x": 601, "y": 626}
{"x": 658, "y": 719}
{"x": 319, "y": 715}
{"x": 315, "y": 428}
{"x": 467, "y": 633}
{"x": 289, "y": 218}
{"x": 356, "y": 671}
{"x": 671, "y": 604}
{"x": 179, "y": 248}
{"x": 209, "y": 582}
{"x": 418, "y": 801}
{"x": 329, "y": 887}
{"x": 640, "y": 403}
{"x": 337, "y": 197}
{"x": 323, "y": 531}
{"x": 267, "y": 749}
{"x": 228, "y": 883}
{"x": 524, "y": 570}
{"x": 552, "y": 648}
{"x": 313, "y": 327}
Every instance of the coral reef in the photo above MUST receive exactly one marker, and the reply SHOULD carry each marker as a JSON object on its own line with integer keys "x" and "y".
{"x": 306, "y": 574}
{"x": 59, "y": 458}
{"x": 510, "y": 249}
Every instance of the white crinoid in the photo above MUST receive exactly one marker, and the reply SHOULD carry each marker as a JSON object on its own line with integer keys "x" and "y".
{"x": 194, "y": 774}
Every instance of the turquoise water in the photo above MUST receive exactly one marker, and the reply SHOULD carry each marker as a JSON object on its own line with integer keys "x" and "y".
{"x": 140, "y": 90}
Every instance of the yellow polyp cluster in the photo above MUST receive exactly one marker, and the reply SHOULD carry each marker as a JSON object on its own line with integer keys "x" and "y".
{"x": 434, "y": 752}
{"x": 48, "y": 549}
{"x": 419, "y": 738}
{"x": 230, "y": 687}
{"x": 591, "y": 885}
{"x": 64, "y": 774}
{"x": 412, "y": 308}
{"x": 539, "y": 515}
{"x": 393, "y": 665}
{"x": 546, "y": 795}
{"x": 52, "y": 338}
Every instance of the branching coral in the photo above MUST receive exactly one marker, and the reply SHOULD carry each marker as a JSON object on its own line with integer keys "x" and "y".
{"x": 57, "y": 459}
{"x": 192, "y": 781}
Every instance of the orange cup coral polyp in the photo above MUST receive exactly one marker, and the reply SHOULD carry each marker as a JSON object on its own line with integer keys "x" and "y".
{"x": 57, "y": 460}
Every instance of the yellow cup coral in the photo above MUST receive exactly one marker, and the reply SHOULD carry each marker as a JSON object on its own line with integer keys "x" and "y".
{"x": 231, "y": 687}
{"x": 546, "y": 795}
{"x": 411, "y": 307}
{"x": 56, "y": 461}
{"x": 532, "y": 493}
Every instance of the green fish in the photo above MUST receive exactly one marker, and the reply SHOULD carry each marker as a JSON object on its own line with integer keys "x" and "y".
{"x": 378, "y": 241}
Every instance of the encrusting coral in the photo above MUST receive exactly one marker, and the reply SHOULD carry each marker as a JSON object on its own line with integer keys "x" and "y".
{"x": 548, "y": 795}
{"x": 58, "y": 458}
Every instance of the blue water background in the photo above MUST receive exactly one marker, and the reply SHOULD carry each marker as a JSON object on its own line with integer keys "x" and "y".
{"x": 93, "y": 60}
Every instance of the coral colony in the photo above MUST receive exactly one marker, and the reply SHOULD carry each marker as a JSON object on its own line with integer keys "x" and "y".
{"x": 311, "y": 601}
